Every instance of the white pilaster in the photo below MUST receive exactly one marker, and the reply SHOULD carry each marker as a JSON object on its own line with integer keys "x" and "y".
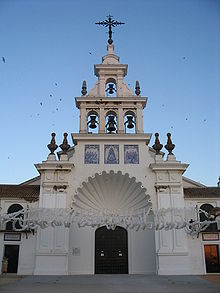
{"x": 53, "y": 242}
{"x": 172, "y": 251}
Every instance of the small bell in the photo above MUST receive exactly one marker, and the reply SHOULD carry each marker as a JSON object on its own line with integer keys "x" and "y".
{"x": 92, "y": 122}
{"x": 111, "y": 124}
{"x": 130, "y": 122}
{"x": 111, "y": 89}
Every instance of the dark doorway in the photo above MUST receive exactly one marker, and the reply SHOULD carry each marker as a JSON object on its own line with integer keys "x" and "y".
{"x": 111, "y": 251}
{"x": 212, "y": 258}
{"x": 12, "y": 252}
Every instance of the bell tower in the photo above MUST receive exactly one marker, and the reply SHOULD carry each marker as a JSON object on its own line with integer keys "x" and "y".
{"x": 111, "y": 107}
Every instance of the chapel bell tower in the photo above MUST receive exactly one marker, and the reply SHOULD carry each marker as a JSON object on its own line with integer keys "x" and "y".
{"x": 111, "y": 107}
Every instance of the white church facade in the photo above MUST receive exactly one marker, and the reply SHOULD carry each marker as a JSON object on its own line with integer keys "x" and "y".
{"x": 111, "y": 173}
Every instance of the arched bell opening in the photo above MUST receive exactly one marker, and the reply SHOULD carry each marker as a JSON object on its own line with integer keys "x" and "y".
{"x": 111, "y": 87}
{"x": 111, "y": 122}
{"x": 130, "y": 122}
{"x": 92, "y": 122}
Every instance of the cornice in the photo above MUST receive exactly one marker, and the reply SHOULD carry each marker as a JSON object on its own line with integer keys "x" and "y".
{"x": 98, "y": 137}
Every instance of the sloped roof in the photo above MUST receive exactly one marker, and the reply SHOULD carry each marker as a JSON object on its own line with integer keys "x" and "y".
{"x": 188, "y": 183}
{"x": 32, "y": 181}
{"x": 204, "y": 192}
{"x": 27, "y": 192}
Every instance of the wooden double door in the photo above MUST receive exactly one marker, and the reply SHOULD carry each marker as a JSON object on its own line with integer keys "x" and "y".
{"x": 111, "y": 251}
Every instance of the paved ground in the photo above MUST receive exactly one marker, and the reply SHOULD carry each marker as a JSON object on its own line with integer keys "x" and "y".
{"x": 110, "y": 284}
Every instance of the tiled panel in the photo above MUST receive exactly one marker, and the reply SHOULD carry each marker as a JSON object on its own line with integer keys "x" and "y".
{"x": 131, "y": 154}
{"x": 91, "y": 154}
{"x": 111, "y": 153}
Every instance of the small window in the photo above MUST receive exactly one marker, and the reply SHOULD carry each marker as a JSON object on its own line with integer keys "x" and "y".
{"x": 12, "y": 209}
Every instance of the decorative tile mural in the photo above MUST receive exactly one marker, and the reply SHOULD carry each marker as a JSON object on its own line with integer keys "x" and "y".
{"x": 91, "y": 154}
{"x": 111, "y": 154}
{"x": 131, "y": 154}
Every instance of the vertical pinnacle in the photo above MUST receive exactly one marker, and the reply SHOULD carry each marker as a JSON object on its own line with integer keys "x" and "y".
{"x": 52, "y": 146}
{"x": 137, "y": 88}
{"x": 65, "y": 146}
{"x": 157, "y": 145}
{"x": 84, "y": 88}
{"x": 169, "y": 146}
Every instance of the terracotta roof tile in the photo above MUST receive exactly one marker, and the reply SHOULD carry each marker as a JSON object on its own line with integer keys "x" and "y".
{"x": 27, "y": 192}
{"x": 203, "y": 192}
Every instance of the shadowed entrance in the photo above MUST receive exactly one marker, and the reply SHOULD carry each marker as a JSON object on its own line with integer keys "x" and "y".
{"x": 111, "y": 251}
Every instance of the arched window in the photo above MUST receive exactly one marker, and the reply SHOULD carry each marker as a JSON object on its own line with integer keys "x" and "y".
{"x": 203, "y": 217}
{"x": 130, "y": 122}
{"x": 12, "y": 209}
{"x": 111, "y": 122}
{"x": 110, "y": 87}
{"x": 92, "y": 122}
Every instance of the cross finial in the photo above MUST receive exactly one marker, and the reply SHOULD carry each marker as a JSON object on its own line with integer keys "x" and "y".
{"x": 109, "y": 22}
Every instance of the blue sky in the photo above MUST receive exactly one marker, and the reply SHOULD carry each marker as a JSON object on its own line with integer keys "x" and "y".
{"x": 172, "y": 47}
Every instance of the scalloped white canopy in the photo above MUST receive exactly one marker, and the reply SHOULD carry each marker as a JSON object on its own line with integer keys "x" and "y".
{"x": 112, "y": 193}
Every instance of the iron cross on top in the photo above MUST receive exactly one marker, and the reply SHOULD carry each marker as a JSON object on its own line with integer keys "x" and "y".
{"x": 110, "y": 22}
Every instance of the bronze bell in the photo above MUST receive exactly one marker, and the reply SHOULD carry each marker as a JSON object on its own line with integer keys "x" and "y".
{"x": 111, "y": 123}
{"x": 111, "y": 89}
{"x": 130, "y": 122}
{"x": 92, "y": 122}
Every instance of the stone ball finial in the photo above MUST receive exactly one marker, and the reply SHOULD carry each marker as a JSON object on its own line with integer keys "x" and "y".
{"x": 65, "y": 146}
{"x": 52, "y": 146}
{"x": 169, "y": 146}
{"x": 137, "y": 88}
{"x": 84, "y": 88}
{"x": 157, "y": 145}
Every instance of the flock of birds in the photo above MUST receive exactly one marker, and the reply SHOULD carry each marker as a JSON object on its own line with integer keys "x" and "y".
{"x": 42, "y": 103}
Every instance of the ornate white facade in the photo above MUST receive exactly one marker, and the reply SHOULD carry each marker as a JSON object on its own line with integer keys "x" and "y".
{"x": 110, "y": 170}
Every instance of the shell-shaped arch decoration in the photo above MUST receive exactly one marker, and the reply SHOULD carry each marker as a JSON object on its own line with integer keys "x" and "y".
{"x": 112, "y": 194}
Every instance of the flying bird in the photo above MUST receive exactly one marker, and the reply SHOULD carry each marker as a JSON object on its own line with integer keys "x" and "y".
{"x": 60, "y": 100}
{"x": 90, "y": 53}
{"x": 55, "y": 84}
{"x": 50, "y": 95}
{"x": 41, "y": 103}
{"x": 3, "y": 59}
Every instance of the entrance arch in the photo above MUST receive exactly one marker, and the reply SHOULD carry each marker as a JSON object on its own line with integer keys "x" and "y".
{"x": 111, "y": 251}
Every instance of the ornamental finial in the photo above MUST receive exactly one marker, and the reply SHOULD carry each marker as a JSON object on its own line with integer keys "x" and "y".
{"x": 84, "y": 88}
{"x": 137, "y": 88}
{"x": 109, "y": 22}
{"x": 169, "y": 146}
{"x": 157, "y": 145}
{"x": 65, "y": 146}
{"x": 52, "y": 146}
